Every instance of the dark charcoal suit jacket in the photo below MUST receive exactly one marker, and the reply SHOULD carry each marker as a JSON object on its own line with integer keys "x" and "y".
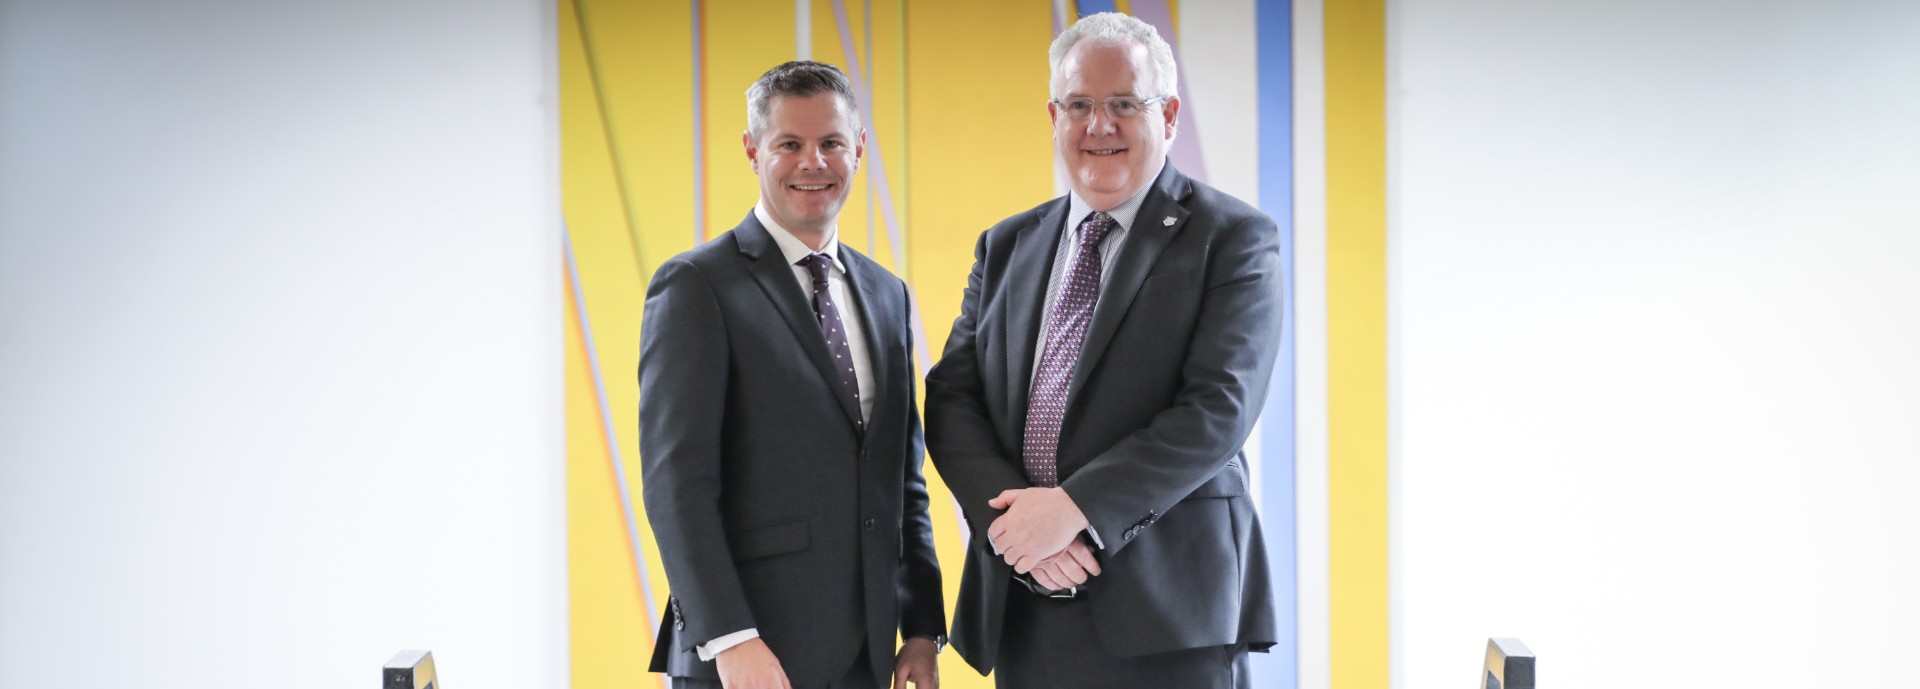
{"x": 1173, "y": 374}
{"x": 773, "y": 509}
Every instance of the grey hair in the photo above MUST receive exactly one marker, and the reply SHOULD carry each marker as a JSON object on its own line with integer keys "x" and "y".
{"x": 1117, "y": 29}
{"x": 800, "y": 78}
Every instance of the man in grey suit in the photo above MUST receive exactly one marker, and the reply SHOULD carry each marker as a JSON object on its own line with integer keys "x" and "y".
{"x": 779, "y": 438}
{"x": 1111, "y": 355}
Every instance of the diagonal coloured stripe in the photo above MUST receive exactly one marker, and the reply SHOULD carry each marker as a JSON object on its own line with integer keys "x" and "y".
{"x": 878, "y": 175}
{"x": 606, "y": 130}
{"x": 860, "y": 85}
{"x": 606, "y": 425}
{"x": 922, "y": 352}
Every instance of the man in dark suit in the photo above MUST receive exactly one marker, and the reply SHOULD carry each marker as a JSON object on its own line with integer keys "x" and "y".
{"x": 1111, "y": 355}
{"x": 779, "y": 438}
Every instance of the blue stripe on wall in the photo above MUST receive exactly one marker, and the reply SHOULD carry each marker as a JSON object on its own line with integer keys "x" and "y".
{"x": 1273, "y": 39}
{"x": 1088, "y": 7}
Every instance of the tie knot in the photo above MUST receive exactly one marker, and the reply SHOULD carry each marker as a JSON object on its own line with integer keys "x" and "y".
{"x": 816, "y": 264}
{"x": 1095, "y": 229}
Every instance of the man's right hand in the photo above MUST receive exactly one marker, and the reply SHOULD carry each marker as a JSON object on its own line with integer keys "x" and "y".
{"x": 751, "y": 665}
{"x": 1070, "y": 567}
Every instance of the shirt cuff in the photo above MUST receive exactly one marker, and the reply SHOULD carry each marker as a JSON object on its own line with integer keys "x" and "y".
{"x": 713, "y": 648}
{"x": 1094, "y": 535}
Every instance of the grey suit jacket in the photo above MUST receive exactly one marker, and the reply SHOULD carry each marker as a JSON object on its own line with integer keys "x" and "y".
{"x": 1171, "y": 378}
{"x": 773, "y": 508}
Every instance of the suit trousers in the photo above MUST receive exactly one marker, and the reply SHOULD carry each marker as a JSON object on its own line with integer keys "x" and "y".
{"x": 860, "y": 676}
{"x": 1051, "y": 643}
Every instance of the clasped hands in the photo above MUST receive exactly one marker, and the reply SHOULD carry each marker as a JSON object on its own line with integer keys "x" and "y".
{"x": 1039, "y": 535}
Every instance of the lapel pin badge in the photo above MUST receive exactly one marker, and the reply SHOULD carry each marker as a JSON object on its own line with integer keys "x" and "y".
{"x": 1168, "y": 222}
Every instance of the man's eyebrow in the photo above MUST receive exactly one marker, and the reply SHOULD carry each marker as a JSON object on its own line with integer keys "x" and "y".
{"x": 791, "y": 135}
{"x": 1125, "y": 94}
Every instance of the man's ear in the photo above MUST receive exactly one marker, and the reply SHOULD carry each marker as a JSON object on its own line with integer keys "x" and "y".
{"x": 859, "y": 147}
{"x": 1171, "y": 111}
{"x": 1053, "y": 112}
{"x": 753, "y": 151}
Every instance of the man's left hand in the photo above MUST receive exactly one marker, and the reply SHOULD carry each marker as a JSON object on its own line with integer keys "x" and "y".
{"x": 1071, "y": 567}
{"x": 1038, "y": 523}
{"x": 918, "y": 663}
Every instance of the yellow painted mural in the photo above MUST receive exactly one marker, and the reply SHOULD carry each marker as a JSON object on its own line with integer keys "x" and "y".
{"x": 954, "y": 99}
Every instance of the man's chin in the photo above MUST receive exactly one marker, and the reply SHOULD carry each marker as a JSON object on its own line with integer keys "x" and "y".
{"x": 810, "y": 214}
{"x": 1104, "y": 182}
{"x": 813, "y": 222}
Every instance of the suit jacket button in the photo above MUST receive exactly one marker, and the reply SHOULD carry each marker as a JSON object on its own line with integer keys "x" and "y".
{"x": 866, "y": 525}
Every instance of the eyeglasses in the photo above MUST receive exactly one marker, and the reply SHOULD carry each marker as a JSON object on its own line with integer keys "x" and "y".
{"x": 1118, "y": 107}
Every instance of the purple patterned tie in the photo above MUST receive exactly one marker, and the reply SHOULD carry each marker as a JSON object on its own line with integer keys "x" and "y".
{"x": 1066, "y": 333}
{"x": 830, "y": 325}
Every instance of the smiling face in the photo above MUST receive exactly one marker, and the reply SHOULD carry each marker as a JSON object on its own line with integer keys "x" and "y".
{"x": 1107, "y": 160}
{"x": 806, "y": 158}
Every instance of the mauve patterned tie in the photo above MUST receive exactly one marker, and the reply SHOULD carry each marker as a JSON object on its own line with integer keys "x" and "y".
{"x": 829, "y": 316}
{"x": 1066, "y": 333}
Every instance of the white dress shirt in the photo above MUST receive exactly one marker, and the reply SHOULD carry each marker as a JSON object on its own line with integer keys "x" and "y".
{"x": 794, "y": 250}
{"x": 1069, "y": 250}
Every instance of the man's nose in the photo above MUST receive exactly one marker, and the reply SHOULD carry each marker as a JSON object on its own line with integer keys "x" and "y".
{"x": 1100, "y": 121}
{"x": 813, "y": 158}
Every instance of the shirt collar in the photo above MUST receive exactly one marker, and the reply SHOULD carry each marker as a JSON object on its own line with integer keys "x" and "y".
{"x": 792, "y": 248}
{"x": 1123, "y": 214}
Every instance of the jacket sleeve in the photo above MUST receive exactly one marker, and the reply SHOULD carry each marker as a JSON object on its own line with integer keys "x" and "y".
{"x": 1228, "y": 365}
{"x": 683, "y": 376}
{"x": 922, "y": 606}
{"x": 960, "y": 436}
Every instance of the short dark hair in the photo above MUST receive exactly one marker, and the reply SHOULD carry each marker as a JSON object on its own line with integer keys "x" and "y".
{"x": 799, "y": 78}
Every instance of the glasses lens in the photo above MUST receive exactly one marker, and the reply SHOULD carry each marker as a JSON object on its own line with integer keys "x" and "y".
{"x": 1118, "y": 107}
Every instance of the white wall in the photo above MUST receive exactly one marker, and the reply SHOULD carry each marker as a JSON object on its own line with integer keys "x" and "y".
{"x": 1653, "y": 335}
{"x": 279, "y": 343}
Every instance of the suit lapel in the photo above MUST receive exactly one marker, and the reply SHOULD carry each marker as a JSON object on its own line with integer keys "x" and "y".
{"x": 776, "y": 279}
{"x": 1149, "y": 236}
{"x": 864, "y": 279}
{"x": 1032, "y": 262}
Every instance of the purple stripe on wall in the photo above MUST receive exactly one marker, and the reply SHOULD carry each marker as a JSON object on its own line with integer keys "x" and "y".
{"x": 1185, "y": 153}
